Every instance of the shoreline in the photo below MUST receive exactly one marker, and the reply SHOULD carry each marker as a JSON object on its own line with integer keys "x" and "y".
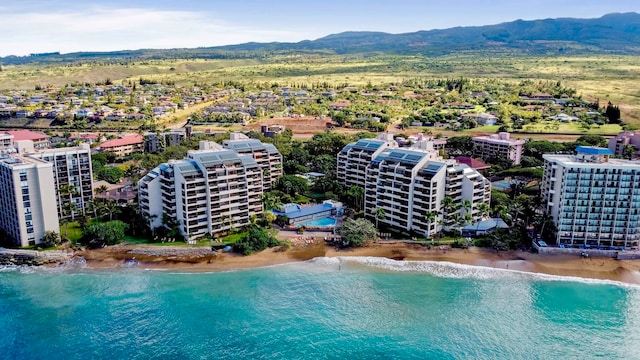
{"x": 625, "y": 271}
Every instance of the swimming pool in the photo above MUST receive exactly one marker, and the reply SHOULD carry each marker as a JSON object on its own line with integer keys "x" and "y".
{"x": 502, "y": 185}
{"x": 321, "y": 222}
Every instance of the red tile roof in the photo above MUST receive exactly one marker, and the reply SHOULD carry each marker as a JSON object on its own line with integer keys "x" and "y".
{"x": 27, "y": 135}
{"x": 123, "y": 141}
{"x": 84, "y": 136}
{"x": 472, "y": 163}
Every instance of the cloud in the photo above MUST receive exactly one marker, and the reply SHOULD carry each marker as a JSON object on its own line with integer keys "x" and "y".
{"x": 98, "y": 28}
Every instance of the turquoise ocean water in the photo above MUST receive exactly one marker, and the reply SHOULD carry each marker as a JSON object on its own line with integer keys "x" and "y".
{"x": 363, "y": 308}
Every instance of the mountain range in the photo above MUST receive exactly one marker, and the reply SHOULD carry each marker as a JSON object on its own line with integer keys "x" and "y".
{"x": 617, "y": 33}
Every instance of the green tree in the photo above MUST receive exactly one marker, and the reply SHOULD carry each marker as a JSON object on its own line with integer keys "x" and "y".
{"x": 379, "y": 214}
{"x": 110, "y": 232}
{"x": 484, "y": 209}
{"x": 51, "y": 238}
{"x": 629, "y": 152}
{"x": 593, "y": 140}
{"x": 612, "y": 113}
{"x": 110, "y": 208}
{"x": 257, "y": 239}
{"x": 111, "y": 175}
{"x": 459, "y": 146}
{"x": 292, "y": 185}
{"x": 355, "y": 196}
{"x": 67, "y": 192}
{"x": 272, "y": 201}
{"x": 356, "y": 232}
{"x": 430, "y": 218}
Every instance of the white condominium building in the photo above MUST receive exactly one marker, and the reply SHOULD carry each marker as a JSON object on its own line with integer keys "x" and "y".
{"x": 27, "y": 199}
{"x": 500, "y": 144}
{"x": 266, "y": 155}
{"x": 594, "y": 200}
{"x": 71, "y": 167}
{"x": 408, "y": 184}
{"x": 210, "y": 191}
{"x": 354, "y": 158}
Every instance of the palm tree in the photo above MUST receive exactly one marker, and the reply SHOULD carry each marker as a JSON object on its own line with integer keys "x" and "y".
{"x": 467, "y": 206}
{"x": 357, "y": 194}
{"x": 101, "y": 189}
{"x": 448, "y": 205}
{"x": 484, "y": 209}
{"x": 67, "y": 208}
{"x": 514, "y": 211}
{"x": 430, "y": 217}
{"x": 379, "y": 213}
{"x": 67, "y": 192}
{"x": 271, "y": 201}
{"x": 94, "y": 205}
{"x": 110, "y": 207}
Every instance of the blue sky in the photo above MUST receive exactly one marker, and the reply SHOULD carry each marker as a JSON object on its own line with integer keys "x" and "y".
{"x": 29, "y": 26}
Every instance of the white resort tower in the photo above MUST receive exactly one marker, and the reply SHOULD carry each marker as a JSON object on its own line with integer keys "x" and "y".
{"x": 408, "y": 184}
{"x": 594, "y": 200}
{"x": 210, "y": 191}
{"x": 27, "y": 199}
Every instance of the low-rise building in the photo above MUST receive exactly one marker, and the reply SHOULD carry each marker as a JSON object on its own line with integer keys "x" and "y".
{"x": 123, "y": 146}
{"x": 40, "y": 140}
{"x": 498, "y": 145}
{"x": 624, "y": 140}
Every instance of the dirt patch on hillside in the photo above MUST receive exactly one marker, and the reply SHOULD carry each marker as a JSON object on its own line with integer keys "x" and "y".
{"x": 299, "y": 125}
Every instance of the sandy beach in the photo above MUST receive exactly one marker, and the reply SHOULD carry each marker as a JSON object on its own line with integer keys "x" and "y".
{"x": 595, "y": 268}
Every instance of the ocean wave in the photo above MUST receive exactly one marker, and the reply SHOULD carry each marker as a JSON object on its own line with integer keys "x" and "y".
{"x": 445, "y": 269}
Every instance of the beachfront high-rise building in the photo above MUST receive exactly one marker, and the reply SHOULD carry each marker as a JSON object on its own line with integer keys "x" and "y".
{"x": 27, "y": 199}
{"x": 408, "y": 184}
{"x": 266, "y": 155}
{"x": 210, "y": 191}
{"x": 354, "y": 158}
{"x": 500, "y": 144}
{"x": 594, "y": 200}
{"x": 623, "y": 140}
{"x": 73, "y": 176}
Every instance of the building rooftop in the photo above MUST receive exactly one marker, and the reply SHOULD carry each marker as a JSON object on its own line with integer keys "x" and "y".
{"x": 593, "y": 150}
{"x": 123, "y": 141}
{"x": 19, "y": 135}
{"x": 474, "y": 163}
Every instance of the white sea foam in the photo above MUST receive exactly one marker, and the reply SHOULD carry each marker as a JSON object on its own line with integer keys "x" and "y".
{"x": 451, "y": 270}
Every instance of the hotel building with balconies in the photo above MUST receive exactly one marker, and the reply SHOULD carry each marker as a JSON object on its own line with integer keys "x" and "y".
{"x": 27, "y": 199}
{"x": 593, "y": 199}
{"x": 71, "y": 167}
{"x": 210, "y": 191}
{"x": 408, "y": 184}
{"x": 498, "y": 145}
{"x": 266, "y": 155}
{"x": 354, "y": 158}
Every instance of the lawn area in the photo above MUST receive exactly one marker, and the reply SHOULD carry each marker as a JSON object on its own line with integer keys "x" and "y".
{"x": 226, "y": 240}
{"x": 556, "y": 127}
{"x": 486, "y": 128}
{"x": 71, "y": 231}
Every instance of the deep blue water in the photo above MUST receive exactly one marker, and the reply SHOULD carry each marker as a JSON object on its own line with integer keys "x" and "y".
{"x": 324, "y": 309}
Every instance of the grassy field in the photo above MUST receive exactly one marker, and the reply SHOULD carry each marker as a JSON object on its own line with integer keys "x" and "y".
{"x": 606, "y": 78}
{"x": 568, "y": 128}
